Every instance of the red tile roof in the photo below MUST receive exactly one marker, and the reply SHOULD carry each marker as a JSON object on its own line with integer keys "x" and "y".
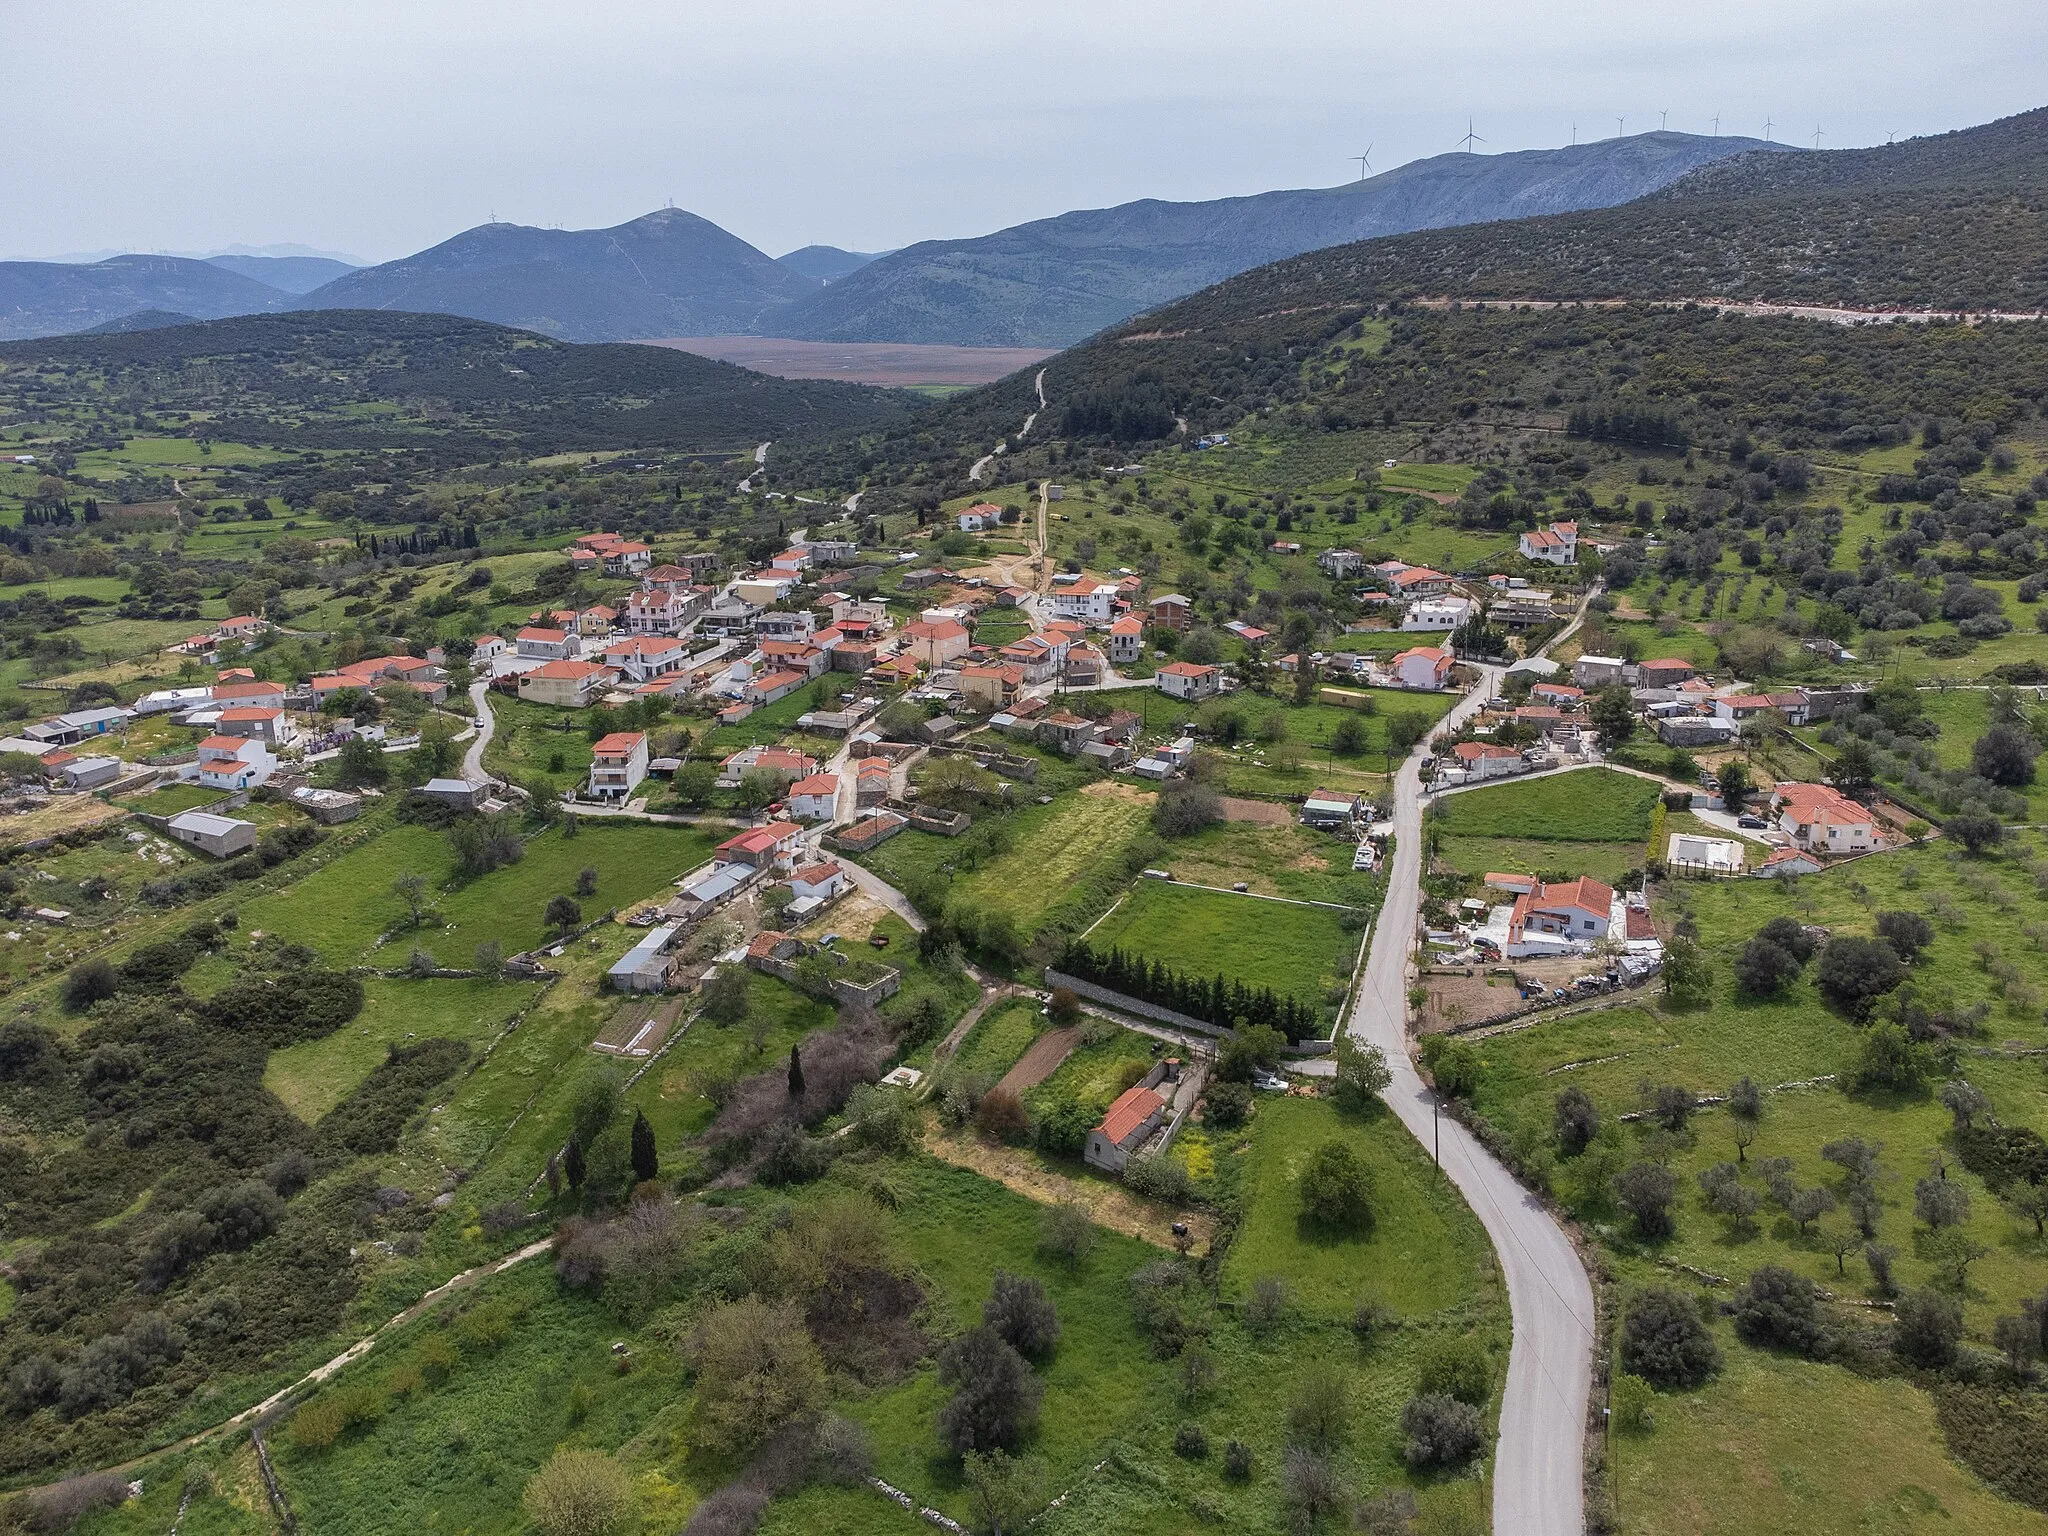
{"x": 1133, "y": 1107}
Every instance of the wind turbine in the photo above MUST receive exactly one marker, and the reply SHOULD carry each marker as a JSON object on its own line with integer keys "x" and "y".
{"x": 1717, "y": 125}
{"x": 1767, "y": 130}
{"x": 1470, "y": 138}
{"x": 1618, "y": 125}
{"x": 1664, "y": 120}
{"x": 1364, "y": 162}
{"x": 1816, "y": 138}
{"x": 1575, "y": 133}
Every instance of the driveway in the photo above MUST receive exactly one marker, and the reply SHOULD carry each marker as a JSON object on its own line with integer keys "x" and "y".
{"x": 480, "y": 707}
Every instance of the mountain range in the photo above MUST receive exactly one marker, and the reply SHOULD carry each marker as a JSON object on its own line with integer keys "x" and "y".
{"x": 1046, "y": 283}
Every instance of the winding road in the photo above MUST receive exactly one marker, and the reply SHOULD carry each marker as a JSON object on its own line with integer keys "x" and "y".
{"x": 1538, "y": 1480}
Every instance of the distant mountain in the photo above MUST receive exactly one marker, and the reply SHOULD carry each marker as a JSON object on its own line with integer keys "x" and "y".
{"x": 291, "y": 274}
{"x": 47, "y": 298}
{"x": 1055, "y": 281}
{"x": 827, "y": 263}
{"x": 140, "y": 320}
{"x": 668, "y": 273}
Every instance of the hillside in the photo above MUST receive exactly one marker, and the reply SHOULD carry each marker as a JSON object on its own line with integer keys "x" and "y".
{"x": 289, "y": 274}
{"x": 826, "y": 263}
{"x": 1955, "y": 221}
{"x": 46, "y": 298}
{"x": 668, "y": 273}
{"x": 1054, "y": 281}
{"x": 1291, "y": 345}
{"x": 453, "y": 390}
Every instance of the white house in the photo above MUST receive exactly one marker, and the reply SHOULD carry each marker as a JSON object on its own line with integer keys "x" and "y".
{"x": 642, "y": 658}
{"x": 235, "y": 762}
{"x": 1426, "y": 667}
{"x": 1126, "y": 640}
{"x": 1556, "y": 545}
{"x": 1488, "y": 760}
{"x": 1342, "y": 564}
{"x": 618, "y": 765}
{"x": 1190, "y": 680}
{"x": 1714, "y": 855}
{"x": 549, "y": 644}
{"x": 1092, "y": 602}
{"x": 1446, "y": 612}
{"x": 488, "y": 649}
{"x": 981, "y": 517}
{"x": 815, "y": 798}
{"x": 819, "y": 881}
{"x": 1822, "y": 818}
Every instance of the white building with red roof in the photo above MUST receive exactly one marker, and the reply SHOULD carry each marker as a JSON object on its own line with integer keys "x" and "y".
{"x": 618, "y": 765}
{"x": 542, "y": 643}
{"x": 1821, "y": 818}
{"x": 1561, "y": 917}
{"x": 815, "y": 798}
{"x": 769, "y": 847}
{"x": 1425, "y": 667}
{"x": 1556, "y": 545}
{"x": 1190, "y": 680}
{"x": 235, "y": 762}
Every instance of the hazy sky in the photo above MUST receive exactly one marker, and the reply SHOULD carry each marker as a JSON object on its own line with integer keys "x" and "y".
{"x": 378, "y": 127}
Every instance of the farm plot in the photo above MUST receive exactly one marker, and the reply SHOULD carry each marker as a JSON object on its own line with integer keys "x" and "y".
{"x": 1295, "y": 950}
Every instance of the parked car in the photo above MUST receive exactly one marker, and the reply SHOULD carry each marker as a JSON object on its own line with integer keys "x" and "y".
{"x": 1269, "y": 1082}
{"x": 1752, "y": 823}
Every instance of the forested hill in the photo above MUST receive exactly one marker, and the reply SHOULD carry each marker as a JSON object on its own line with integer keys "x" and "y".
{"x": 1955, "y": 221}
{"x": 452, "y": 389}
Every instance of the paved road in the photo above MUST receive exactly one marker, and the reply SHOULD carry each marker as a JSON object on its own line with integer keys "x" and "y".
{"x": 480, "y": 705}
{"x": 1537, "y": 1487}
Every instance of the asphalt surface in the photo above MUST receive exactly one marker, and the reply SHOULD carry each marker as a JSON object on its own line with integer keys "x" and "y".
{"x": 1537, "y": 1487}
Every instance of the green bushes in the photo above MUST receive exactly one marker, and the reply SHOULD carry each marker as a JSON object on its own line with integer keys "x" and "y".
{"x": 372, "y": 1116}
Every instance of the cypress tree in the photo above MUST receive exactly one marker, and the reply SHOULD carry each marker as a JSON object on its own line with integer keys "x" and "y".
{"x": 572, "y": 1163}
{"x": 796, "y": 1074}
{"x": 646, "y": 1161}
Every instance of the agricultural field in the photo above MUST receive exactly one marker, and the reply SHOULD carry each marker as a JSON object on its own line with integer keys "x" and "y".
{"x": 1297, "y": 950}
{"x": 1588, "y": 805}
{"x": 1806, "y": 1057}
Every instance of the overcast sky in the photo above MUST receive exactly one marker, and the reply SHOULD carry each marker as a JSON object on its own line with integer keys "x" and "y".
{"x": 378, "y": 127}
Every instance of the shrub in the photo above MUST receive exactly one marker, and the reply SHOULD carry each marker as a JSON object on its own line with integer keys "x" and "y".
{"x": 1319, "y": 1409}
{"x": 1577, "y": 1121}
{"x": 1067, "y": 1232}
{"x": 1000, "y": 1115}
{"x": 1906, "y": 932}
{"x": 1632, "y": 1398}
{"x": 1266, "y": 1304}
{"x": 1456, "y": 1368}
{"x": 1371, "y": 1317}
{"x": 841, "y": 1451}
{"x": 1645, "y": 1191}
{"x": 90, "y": 983}
{"x": 1237, "y": 1461}
{"x": 1664, "y": 1341}
{"x": 1854, "y": 973}
{"x": 756, "y": 1368}
{"x": 1439, "y": 1431}
{"x": 1309, "y": 1486}
{"x": 1226, "y": 1105}
{"x": 1927, "y": 1330}
{"x": 1158, "y": 1176}
{"x": 1779, "y": 1309}
{"x": 1022, "y": 1315}
{"x": 1191, "y": 1441}
{"x": 1336, "y": 1188}
{"x": 579, "y": 1493}
{"x": 995, "y": 1396}
{"x": 317, "y": 1425}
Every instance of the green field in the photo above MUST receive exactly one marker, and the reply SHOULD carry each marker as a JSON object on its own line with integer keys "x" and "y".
{"x": 1002, "y": 1034}
{"x": 343, "y": 909}
{"x": 1292, "y": 949}
{"x": 1531, "y": 856}
{"x": 1812, "y": 1440}
{"x": 1037, "y": 856}
{"x": 1424, "y": 1254}
{"x": 1589, "y": 805}
{"x": 1287, "y": 860}
{"x": 314, "y": 1076}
